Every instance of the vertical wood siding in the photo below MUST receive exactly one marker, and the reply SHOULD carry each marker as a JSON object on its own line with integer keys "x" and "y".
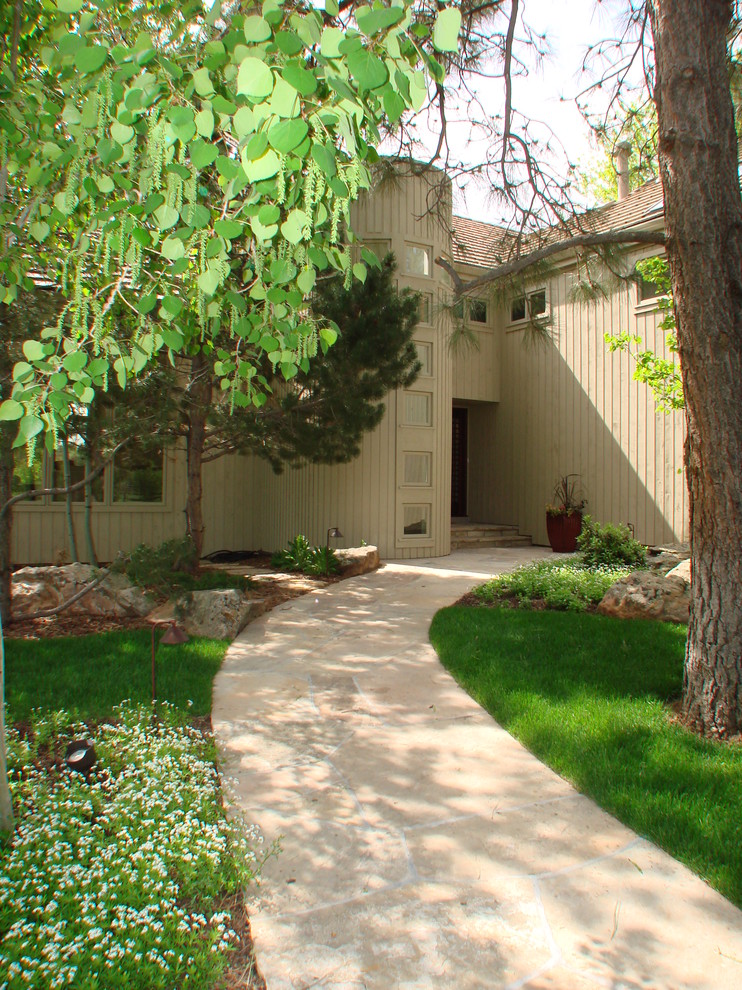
{"x": 568, "y": 406}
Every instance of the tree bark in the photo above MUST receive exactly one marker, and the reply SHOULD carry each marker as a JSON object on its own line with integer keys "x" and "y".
{"x": 703, "y": 211}
{"x": 199, "y": 403}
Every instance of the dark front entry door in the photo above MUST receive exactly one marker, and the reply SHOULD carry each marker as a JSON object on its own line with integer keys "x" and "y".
{"x": 459, "y": 451}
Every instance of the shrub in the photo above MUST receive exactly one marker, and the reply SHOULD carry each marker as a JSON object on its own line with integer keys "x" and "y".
{"x": 296, "y": 557}
{"x": 324, "y": 562}
{"x": 153, "y": 567}
{"x": 559, "y": 584}
{"x": 301, "y": 556}
{"x": 609, "y": 545}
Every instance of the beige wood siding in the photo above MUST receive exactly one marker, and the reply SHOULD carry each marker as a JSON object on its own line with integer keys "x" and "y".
{"x": 40, "y": 533}
{"x": 569, "y": 406}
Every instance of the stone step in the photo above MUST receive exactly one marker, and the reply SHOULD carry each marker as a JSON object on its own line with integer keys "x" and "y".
{"x": 502, "y": 536}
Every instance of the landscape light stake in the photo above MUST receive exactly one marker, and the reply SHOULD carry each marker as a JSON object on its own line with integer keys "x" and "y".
{"x": 333, "y": 533}
{"x": 173, "y": 637}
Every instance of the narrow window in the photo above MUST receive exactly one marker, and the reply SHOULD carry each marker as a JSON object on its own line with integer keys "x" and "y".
{"x": 425, "y": 357}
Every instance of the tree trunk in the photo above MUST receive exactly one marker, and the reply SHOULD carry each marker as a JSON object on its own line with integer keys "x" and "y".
{"x": 67, "y": 475}
{"x": 6, "y": 521}
{"x": 199, "y": 403}
{"x": 703, "y": 212}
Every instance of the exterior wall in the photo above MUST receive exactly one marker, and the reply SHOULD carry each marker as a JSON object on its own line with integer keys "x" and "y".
{"x": 476, "y": 357}
{"x": 569, "y": 406}
{"x": 369, "y": 498}
{"x": 40, "y": 534}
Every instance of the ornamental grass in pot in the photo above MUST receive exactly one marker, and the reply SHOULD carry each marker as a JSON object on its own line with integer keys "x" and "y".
{"x": 564, "y": 514}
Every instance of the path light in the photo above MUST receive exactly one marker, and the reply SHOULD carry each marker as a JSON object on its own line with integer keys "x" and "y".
{"x": 173, "y": 637}
{"x": 333, "y": 533}
{"x": 80, "y": 755}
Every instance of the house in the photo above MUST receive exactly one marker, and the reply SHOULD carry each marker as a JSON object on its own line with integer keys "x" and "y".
{"x": 484, "y": 433}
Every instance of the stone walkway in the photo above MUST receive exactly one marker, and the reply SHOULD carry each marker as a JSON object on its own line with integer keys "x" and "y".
{"x": 422, "y": 847}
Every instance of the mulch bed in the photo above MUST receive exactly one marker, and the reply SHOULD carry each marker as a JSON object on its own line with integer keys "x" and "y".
{"x": 470, "y": 600}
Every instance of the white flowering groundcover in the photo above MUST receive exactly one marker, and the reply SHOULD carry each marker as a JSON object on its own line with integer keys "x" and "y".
{"x": 111, "y": 881}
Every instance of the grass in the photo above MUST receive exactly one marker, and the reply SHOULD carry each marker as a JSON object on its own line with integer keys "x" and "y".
{"x": 88, "y": 675}
{"x": 562, "y": 584}
{"x": 123, "y": 879}
{"x": 589, "y": 696}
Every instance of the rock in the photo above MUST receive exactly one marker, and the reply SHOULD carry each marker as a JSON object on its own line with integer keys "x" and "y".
{"x": 681, "y": 571}
{"x": 666, "y": 557}
{"x": 37, "y": 589}
{"x": 219, "y": 614}
{"x": 648, "y": 595}
{"x": 357, "y": 560}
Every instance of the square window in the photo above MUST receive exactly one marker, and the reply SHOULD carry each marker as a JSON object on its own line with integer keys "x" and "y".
{"x": 418, "y": 408}
{"x": 478, "y": 310}
{"x": 416, "y": 520}
{"x": 138, "y": 475}
{"x": 380, "y": 248}
{"x": 646, "y": 289}
{"x": 417, "y": 260}
{"x": 518, "y": 309}
{"x": 425, "y": 357}
{"x": 417, "y": 468}
{"x": 537, "y": 303}
{"x": 531, "y": 306}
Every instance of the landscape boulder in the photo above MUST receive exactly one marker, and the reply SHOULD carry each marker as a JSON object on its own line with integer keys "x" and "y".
{"x": 650, "y": 595}
{"x": 37, "y": 589}
{"x": 219, "y": 614}
{"x": 358, "y": 560}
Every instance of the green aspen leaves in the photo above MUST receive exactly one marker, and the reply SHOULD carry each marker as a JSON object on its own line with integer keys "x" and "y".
{"x": 287, "y": 134}
{"x": 90, "y": 58}
{"x": 202, "y": 153}
{"x": 368, "y": 70}
{"x": 446, "y": 30}
{"x": 254, "y": 79}
{"x": 257, "y": 29}
{"x": 297, "y": 227}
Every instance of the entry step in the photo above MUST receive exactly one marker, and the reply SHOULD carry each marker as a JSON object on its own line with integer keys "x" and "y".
{"x": 467, "y": 535}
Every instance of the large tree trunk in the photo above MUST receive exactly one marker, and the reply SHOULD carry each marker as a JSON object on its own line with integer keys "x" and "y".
{"x": 199, "y": 403}
{"x": 703, "y": 211}
{"x": 8, "y": 431}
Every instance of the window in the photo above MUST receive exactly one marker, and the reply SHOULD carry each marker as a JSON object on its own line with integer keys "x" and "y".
{"x": 645, "y": 289}
{"x": 380, "y": 248}
{"x": 417, "y": 260}
{"x": 417, "y": 465}
{"x": 78, "y": 470}
{"x": 28, "y": 477}
{"x": 425, "y": 357}
{"x": 416, "y": 520}
{"x": 425, "y": 312}
{"x": 478, "y": 310}
{"x": 530, "y": 306}
{"x": 138, "y": 475}
{"x": 418, "y": 408}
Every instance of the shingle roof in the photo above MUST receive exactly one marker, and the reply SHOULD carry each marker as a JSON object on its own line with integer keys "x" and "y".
{"x": 477, "y": 243}
{"x": 484, "y": 245}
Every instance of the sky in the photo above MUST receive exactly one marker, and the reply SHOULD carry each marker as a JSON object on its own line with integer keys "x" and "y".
{"x": 548, "y": 92}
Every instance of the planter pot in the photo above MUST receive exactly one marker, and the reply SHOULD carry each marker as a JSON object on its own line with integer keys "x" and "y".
{"x": 563, "y": 531}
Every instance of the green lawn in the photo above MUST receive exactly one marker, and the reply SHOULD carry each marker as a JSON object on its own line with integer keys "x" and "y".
{"x": 588, "y": 695}
{"x": 88, "y": 675}
{"x": 130, "y": 872}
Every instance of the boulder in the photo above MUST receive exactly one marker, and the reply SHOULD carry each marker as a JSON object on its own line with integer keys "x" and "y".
{"x": 648, "y": 595}
{"x": 682, "y": 570}
{"x": 37, "y": 589}
{"x": 357, "y": 560}
{"x": 665, "y": 558}
{"x": 219, "y": 614}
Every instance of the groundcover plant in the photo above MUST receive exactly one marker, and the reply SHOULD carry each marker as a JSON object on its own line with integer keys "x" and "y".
{"x": 116, "y": 880}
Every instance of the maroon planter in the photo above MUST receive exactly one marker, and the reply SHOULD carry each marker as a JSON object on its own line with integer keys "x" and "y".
{"x": 563, "y": 531}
